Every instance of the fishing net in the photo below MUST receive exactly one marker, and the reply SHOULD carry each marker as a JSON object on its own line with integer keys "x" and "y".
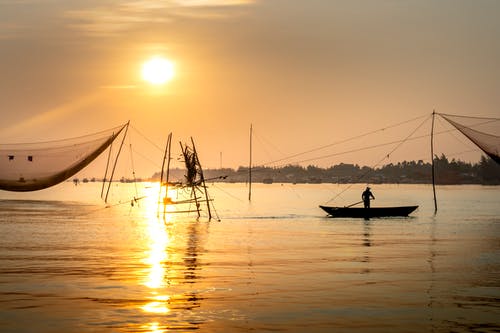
{"x": 193, "y": 173}
{"x": 484, "y": 132}
{"x": 35, "y": 166}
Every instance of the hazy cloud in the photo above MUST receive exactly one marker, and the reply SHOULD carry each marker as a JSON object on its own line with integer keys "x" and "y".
{"x": 9, "y": 30}
{"x": 113, "y": 19}
{"x": 123, "y": 86}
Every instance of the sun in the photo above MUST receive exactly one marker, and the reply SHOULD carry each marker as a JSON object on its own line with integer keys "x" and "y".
{"x": 158, "y": 70}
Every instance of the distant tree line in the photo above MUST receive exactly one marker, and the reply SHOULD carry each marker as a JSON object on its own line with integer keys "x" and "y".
{"x": 486, "y": 171}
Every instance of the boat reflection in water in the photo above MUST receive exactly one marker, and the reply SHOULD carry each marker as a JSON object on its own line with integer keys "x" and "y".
{"x": 77, "y": 267}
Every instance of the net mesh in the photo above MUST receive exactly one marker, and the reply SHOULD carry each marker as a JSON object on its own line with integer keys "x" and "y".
{"x": 35, "y": 166}
{"x": 484, "y": 132}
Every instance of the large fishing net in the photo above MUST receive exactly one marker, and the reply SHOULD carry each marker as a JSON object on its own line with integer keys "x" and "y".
{"x": 35, "y": 166}
{"x": 484, "y": 132}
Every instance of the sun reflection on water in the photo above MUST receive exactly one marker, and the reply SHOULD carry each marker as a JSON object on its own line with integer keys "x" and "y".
{"x": 158, "y": 238}
{"x": 158, "y": 305}
{"x": 171, "y": 260}
{"x": 153, "y": 328}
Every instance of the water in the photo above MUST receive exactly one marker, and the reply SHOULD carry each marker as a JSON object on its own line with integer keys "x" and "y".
{"x": 276, "y": 264}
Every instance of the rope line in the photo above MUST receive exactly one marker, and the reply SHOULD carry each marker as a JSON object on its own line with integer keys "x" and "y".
{"x": 156, "y": 164}
{"x": 264, "y": 140}
{"x": 343, "y": 141}
{"x": 227, "y": 193}
{"x": 469, "y": 117}
{"x": 385, "y": 157}
{"x": 147, "y": 139}
{"x": 98, "y": 135}
{"x": 363, "y": 148}
{"x": 442, "y": 121}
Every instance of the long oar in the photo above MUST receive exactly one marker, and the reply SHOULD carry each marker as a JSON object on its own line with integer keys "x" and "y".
{"x": 354, "y": 204}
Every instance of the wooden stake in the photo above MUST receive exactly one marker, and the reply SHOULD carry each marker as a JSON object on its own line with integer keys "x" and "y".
{"x": 202, "y": 180}
{"x": 165, "y": 156}
{"x": 116, "y": 160}
{"x": 432, "y": 159}
{"x": 250, "y": 168}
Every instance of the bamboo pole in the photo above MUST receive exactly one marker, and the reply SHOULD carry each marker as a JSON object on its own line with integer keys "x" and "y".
{"x": 165, "y": 156}
{"x": 106, "y": 172}
{"x": 250, "y": 168}
{"x": 185, "y": 151}
{"x": 202, "y": 179}
{"x": 432, "y": 159}
{"x": 116, "y": 160}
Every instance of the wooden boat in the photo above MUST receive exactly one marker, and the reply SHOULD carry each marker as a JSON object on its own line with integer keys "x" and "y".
{"x": 368, "y": 212}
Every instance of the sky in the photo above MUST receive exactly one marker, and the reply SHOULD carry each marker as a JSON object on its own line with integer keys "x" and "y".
{"x": 305, "y": 74}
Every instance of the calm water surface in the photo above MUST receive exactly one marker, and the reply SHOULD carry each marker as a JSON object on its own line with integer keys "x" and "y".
{"x": 67, "y": 264}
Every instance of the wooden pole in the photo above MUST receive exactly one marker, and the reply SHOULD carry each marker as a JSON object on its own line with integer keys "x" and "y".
{"x": 165, "y": 156}
{"x": 106, "y": 172}
{"x": 432, "y": 159}
{"x": 168, "y": 163}
{"x": 116, "y": 160}
{"x": 250, "y": 168}
{"x": 202, "y": 180}
{"x": 185, "y": 153}
{"x": 133, "y": 171}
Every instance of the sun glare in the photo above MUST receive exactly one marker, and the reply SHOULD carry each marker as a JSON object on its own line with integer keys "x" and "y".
{"x": 158, "y": 70}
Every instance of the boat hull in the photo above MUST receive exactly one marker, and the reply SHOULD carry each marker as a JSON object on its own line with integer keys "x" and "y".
{"x": 368, "y": 212}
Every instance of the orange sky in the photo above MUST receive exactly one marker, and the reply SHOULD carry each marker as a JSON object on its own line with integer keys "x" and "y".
{"x": 305, "y": 73}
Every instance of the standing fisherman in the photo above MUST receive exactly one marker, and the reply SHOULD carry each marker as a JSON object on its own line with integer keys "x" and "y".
{"x": 366, "y": 196}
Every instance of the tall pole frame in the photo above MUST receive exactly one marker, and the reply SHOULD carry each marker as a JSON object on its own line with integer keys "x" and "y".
{"x": 116, "y": 160}
{"x": 432, "y": 162}
{"x": 207, "y": 199}
{"x": 106, "y": 172}
{"x": 166, "y": 157}
{"x": 250, "y": 167}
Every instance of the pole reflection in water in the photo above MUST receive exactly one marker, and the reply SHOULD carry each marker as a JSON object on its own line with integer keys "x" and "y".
{"x": 432, "y": 271}
{"x": 191, "y": 263}
{"x": 367, "y": 243}
{"x": 172, "y": 262}
{"x": 272, "y": 266}
{"x": 190, "y": 258}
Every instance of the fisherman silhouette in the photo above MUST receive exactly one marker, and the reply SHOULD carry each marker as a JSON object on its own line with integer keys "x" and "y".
{"x": 366, "y": 196}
